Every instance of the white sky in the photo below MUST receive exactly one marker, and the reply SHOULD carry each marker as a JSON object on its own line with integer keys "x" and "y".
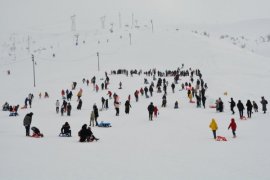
{"x": 20, "y": 14}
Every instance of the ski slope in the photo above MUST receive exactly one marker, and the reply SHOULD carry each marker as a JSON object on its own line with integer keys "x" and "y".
{"x": 178, "y": 144}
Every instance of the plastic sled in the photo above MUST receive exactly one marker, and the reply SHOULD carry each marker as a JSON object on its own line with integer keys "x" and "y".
{"x": 221, "y": 138}
{"x": 212, "y": 106}
{"x": 64, "y": 135}
{"x": 13, "y": 114}
{"x": 37, "y": 135}
{"x": 23, "y": 107}
{"x": 104, "y": 124}
{"x": 192, "y": 101}
{"x": 243, "y": 118}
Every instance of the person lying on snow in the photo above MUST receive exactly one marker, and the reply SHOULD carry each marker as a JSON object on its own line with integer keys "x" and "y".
{"x": 36, "y": 132}
{"x": 86, "y": 135}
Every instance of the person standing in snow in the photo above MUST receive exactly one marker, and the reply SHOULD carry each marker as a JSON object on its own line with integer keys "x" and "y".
{"x": 79, "y": 94}
{"x": 232, "y": 105}
{"x": 127, "y": 106}
{"x": 27, "y": 122}
{"x": 213, "y": 125}
{"x": 57, "y": 104}
{"x": 264, "y": 103}
{"x": 233, "y": 126}
{"x": 117, "y": 106}
{"x": 151, "y": 90}
{"x": 155, "y": 111}
{"x": 249, "y": 108}
{"x": 95, "y": 109}
{"x": 106, "y": 104}
{"x": 110, "y": 94}
{"x": 241, "y": 108}
{"x": 63, "y": 94}
{"x": 255, "y": 106}
{"x": 92, "y": 118}
{"x": 97, "y": 88}
{"x": 79, "y": 107}
{"x": 146, "y": 91}
{"x": 136, "y": 94}
{"x": 203, "y": 101}
{"x": 150, "y": 111}
{"x": 120, "y": 85}
{"x": 69, "y": 107}
{"x": 173, "y": 86}
{"x": 25, "y": 102}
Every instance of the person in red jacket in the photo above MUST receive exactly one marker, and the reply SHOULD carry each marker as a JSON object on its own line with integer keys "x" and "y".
{"x": 155, "y": 111}
{"x": 110, "y": 94}
{"x": 233, "y": 126}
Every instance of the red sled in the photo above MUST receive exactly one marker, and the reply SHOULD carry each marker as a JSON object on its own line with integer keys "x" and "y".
{"x": 221, "y": 138}
{"x": 37, "y": 135}
{"x": 212, "y": 106}
{"x": 243, "y": 118}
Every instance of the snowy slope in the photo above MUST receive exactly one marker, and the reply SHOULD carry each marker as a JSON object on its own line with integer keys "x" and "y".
{"x": 176, "y": 145}
{"x": 251, "y": 35}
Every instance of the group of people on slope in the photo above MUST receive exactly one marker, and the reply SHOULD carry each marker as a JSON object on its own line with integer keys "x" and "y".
{"x": 214, "y": 127}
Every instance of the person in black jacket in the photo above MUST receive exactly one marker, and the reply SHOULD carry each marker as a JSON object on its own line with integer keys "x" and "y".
{"x": 255, "y": 106}
{"x": 220, "y": 105}
{"x": 86, "y": 135}
{"x": 151, "y": 110}
{"x": 249, "y": 108}
{"x": 95, "y": 109}
{"x": 151, "y": 90}
{"x": 232, "y": 105}
{"x": 127, "y": 106}
{"x": 203, "y": 101}
{"x": 69, "y": 109}
{"x": 264, "y": 103}
{"x": 241, "y": 108}
{"x": 65, "y": 130}
{"x": 36, "y": 132}
{"x": 79, "y": 107}
{"x": 173, "y": 86}
{"x": 27, "y": 122}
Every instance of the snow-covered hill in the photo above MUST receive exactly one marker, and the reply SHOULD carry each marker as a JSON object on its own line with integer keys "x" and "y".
{"x": 251, "y": 35}
{"x": 178, "y": 144}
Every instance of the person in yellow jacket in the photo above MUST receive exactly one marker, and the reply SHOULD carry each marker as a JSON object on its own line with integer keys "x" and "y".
{"x": 213, "y": 125}
{"x": 79, "y": 95}
{"x": 190, "y": 97}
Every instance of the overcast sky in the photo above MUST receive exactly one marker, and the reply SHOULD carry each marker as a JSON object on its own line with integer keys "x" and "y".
{"x": 21, "y": 14}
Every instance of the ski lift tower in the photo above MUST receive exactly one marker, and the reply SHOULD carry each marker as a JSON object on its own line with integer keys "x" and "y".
{"x": 102, "y": 19}
{"x": 73, "y": 23}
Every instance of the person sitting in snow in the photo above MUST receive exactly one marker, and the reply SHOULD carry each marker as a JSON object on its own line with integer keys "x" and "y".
{"x": 46, "y": 95}
{"x": 86, "y": 135}
{"x": 5, "y": 107}
{"x": 36, "y": 132}
{"x": 65, "y": 130}
{"x": 176, "y": 105}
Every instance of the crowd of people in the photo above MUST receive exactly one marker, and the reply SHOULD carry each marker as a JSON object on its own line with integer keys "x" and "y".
{"x": 195, "y": 87}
